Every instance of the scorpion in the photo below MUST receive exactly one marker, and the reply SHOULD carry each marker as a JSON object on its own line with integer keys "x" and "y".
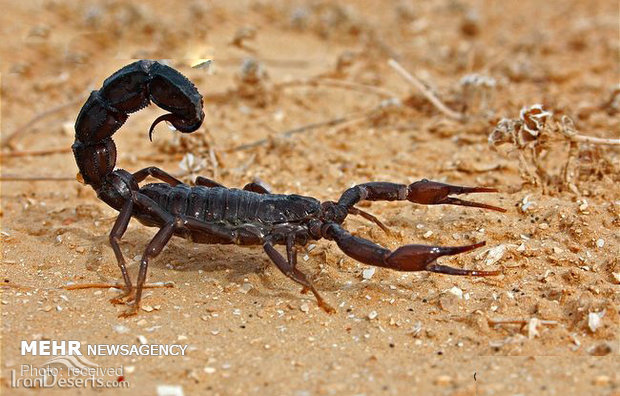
{"x": 210, "y": 213}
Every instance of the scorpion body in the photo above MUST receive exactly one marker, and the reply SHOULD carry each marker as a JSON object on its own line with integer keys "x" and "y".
{"x": 210, "y": 213}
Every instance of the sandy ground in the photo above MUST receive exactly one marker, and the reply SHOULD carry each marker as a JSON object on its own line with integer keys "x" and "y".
{"x": 547, "y": 325}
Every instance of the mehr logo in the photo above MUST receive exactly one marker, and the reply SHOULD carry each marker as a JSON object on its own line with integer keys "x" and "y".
{"x": 74, "y": 348}
{"x": 51, "y": 348}
{"x": 69, "y": 368}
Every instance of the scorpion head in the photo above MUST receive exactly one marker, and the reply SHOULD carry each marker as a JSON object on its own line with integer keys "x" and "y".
{"x": 118, "y": 188}
{"x": 331, "y": 212}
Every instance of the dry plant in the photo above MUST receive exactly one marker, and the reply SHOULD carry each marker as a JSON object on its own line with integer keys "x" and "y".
{"x": 532, "y": 136}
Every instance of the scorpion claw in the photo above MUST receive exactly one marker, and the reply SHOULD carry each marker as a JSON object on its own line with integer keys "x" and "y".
{"x": 423, "y": 257}
{"x": 434, "y": 193}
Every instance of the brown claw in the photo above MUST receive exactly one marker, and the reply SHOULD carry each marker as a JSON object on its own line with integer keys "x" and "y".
{"x": 423, "y": 257}
{"x": 434, "y": 193}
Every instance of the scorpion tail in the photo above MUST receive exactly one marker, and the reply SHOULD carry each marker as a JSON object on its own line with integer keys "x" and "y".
{"x": 178, "y": 123}
{"x": 128, "y": 90}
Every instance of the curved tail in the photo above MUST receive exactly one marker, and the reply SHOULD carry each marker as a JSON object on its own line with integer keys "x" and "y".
{"x": 128, "y": 90}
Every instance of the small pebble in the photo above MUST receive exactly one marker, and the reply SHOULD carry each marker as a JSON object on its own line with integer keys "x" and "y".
{"x": 182, "y": 338}
{"x": 493, "y": 254}
{"x": 147, "y": 308}
{"x": 368, "y": 273}
{"x": 456, "y": 291}
{"x": 600, "y": 243}
{"x": 142, "y": 340}
{"x": 141, "y": 322}
{"x": 372, "y": 315}
{"x": 130, "y": 369}
{"x": 601, "y": 349}
{"x": 443, "y": 380}
{"x": 245, "y": 288}
{"x": 595, "y": 320}
{"x": 304, "y": 308}
{"x": 428, "y": 234}
{"x": 526, "y": 204}
{"x": 121, "y": 329}
{"x": 532, "y": 328}
{"x": 169, "y": 390}
{"x": 209, "y": 370}
{"x": 601, "y": 380}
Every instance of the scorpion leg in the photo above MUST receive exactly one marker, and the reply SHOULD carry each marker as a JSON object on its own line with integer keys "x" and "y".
{"x": 203, "y": 181}
{"x": 156, "y": 173}
{"x": 154, "y": 247}
{"x": 119, "y": 228}
{"x": 257, "y": 187}
{"x": 405, "y": 258}
{"x": 152, "y": 250}
{"x": 423, "y": 192}
{"x": 288, "y": 268}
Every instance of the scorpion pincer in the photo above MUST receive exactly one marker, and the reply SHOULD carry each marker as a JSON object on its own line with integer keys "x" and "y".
{"x": 210, "y": 213}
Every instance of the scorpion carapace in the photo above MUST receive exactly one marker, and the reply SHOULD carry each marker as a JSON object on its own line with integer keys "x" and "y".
{"x": 210, "y": 213}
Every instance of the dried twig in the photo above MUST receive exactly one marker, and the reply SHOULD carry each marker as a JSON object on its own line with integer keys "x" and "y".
{"x": 35, "y": 153}
{"x": 116, "y": 285}
{"x": 595, "y": 140}
{"x": 6, "y": 142}
{"x": 16, "y": 286}
{"x": 340, "y": 84}
{"x": 417, "y": 83}
{"x": 521, "y": 322}
{"x": 308, "y": 127}
{"x": 312, "y": 81}
{"x": 11, "y": 177}
{"x": 291, "y": 132}
{"x": 274, "y": 62}
{"x": 567, "y": 129}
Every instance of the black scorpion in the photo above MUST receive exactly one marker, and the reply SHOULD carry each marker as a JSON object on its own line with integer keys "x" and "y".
{"x": 211, "y": 213}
